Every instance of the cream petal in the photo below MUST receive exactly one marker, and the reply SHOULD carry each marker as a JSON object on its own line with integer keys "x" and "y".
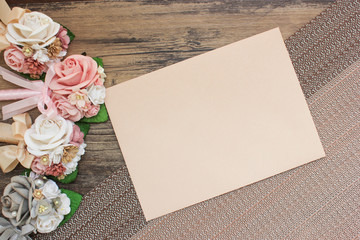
{"x": 53, "y": 30}
{"x": 37, "y": 152}
{"x": 22, "y": 30}
{"x": 12, "y": 40}
{"x": 22, "y": 27}
{"x": 12, "y": 32}
{"x": 30, "y": 41}
{"x": 48, "y": 42}
{"x": 65, "y": 131}
{"x": 40, "y": 33}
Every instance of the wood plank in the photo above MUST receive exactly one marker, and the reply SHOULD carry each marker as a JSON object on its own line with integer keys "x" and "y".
{"x": 138, "y": 37}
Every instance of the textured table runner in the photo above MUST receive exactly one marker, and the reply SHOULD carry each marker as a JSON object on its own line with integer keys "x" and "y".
{"x": 319, "y": 200}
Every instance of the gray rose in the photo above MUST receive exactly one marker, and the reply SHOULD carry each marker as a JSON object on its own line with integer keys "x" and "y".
{"x": 9, "y": 232}
{"x": 17, "y": 200}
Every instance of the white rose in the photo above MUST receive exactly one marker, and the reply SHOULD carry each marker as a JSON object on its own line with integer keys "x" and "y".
{"x": 64, "y": 208}
{"x": 48, "y": 223}
{"x": 50, "y": 190}
{"x": 96, "y": 94}
{"x": 33, "y": 28}
{"x": 71, "y": 166}
{"x": 46, "y": 135}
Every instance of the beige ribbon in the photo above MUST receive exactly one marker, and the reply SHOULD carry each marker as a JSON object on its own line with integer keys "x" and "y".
{"x": 7, "y": 16}
{"x": 11, "y": 155}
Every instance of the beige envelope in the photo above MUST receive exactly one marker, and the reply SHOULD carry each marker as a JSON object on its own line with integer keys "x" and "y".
{"x": 213, "y": 123}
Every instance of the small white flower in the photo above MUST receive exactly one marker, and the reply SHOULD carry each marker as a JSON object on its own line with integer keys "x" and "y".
{"x": 71, "y": 166}
{"x": 62, "y": 54}
{"x": 50, "y": 190}
{"x": 41, "y": 54}
{"x": 96, "y": 94}
{"x": 56, "y": 155}
{"x": 64, "y": 208}
{"x": 49, "y": 222}
{"x": 101, "y": 71}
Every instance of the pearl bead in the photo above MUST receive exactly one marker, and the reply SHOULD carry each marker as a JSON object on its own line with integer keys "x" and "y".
{"x": 39, "y": 183}
{"x": 13, "y": 213}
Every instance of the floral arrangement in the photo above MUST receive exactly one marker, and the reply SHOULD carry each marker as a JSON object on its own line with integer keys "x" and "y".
{"x": 57, "y": 145}
{"x": 73, "y": 89}
{"x": 51, "y": 146}
{"x": 34, "y": 41}
{"x": 65, "y": 92}
{"x": 35, "y": 204}
{"x": 77, "y": 87}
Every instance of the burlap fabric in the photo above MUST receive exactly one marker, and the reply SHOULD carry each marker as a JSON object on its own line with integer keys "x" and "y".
{"x": 319, "y": 200}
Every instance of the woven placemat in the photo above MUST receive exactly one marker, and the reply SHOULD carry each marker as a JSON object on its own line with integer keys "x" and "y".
{"x": 316, "y": 201}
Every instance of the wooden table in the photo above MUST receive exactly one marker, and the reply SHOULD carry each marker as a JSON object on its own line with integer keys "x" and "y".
{"x": 138, "y": 37}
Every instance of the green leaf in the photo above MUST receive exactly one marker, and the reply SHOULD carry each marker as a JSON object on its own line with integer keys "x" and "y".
{"x": 68, "y": 179}
{"x": 102, "y": 116}
{"x": 69, "y": 33}
{"x": 84, "y": 127}
{"x": 99, "y": 61}
{"x": 27, "y": 76}
{"x": 75, "y": 200}
{"x": 26, "y": 172}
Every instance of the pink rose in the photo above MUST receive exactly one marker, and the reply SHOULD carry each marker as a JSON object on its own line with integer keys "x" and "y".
{"x": 93, "y": 111}
{"x": 37, "y": 167}
{"x": 64, "y": 38}
{"x": 99, "y": 82}
{"x": 14, "y": 58}
{"x": 77, "y": 137}
{"x": 66, "y": 109}
{"x": 74, "y": 73}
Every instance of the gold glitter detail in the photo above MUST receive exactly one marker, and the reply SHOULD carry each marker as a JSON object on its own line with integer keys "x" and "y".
{"x": 42, "y": 208}
{"x": 44, "y": 160}
{"x": 61, "y": 177}
{"x": 27, "y": 51}
{"x": 57, "y": 202}
{"x": 35, "y": 76}
{"x": 69, "y": 153}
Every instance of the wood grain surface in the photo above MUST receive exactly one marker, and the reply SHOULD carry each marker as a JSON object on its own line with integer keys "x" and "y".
{"x": 137, "y": 37}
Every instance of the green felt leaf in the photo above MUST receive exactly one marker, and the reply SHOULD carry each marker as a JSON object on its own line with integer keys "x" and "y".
{"x": 75, "y": 200}
{"x": 84, "y": 127}
{"x": 102, "y": 116}
{"x": 69, "y": 33}
{"x": 26, "y": 172}
{"x": 68, "y": 179}
{"x": 99, "y": 61}
{"x": 27, "y": 76}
